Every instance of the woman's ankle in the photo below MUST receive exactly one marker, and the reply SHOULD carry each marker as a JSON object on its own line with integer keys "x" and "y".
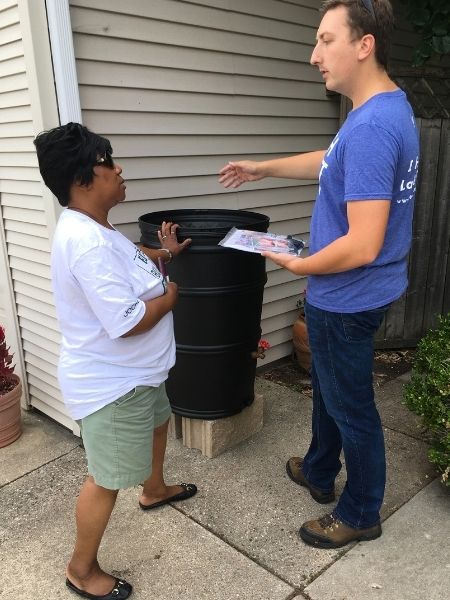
{"x": 82, "y": 570}
{"x": 90, "y": 578}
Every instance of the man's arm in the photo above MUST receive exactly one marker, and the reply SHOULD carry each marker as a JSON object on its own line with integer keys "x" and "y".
{"x": 367, "y": 221}
{"x": 300, "y": 166}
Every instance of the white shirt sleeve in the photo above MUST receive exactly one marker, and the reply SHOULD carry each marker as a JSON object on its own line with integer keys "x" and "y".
{"x": 111, "y": 290}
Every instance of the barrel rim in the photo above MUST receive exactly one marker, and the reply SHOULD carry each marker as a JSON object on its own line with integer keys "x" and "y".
{"x": 202, "y": 224}
{"x": 207, "y": 211}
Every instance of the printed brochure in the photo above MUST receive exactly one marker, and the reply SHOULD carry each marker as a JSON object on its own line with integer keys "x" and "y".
{"x": 256, "y": 241}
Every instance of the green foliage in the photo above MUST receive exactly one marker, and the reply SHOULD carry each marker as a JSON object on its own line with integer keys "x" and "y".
{"x": 428, "y": 393}
{"x": 431, "y": 20}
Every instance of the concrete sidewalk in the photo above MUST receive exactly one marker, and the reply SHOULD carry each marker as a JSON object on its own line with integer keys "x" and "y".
{"x": 237, "y": 539}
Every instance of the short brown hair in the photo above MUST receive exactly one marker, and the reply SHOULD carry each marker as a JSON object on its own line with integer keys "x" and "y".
{"x": 362, "y": 22}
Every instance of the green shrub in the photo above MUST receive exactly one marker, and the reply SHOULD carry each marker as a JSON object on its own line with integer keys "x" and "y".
{"x": 428, "y": 393}
{"x": 431, "y": 20}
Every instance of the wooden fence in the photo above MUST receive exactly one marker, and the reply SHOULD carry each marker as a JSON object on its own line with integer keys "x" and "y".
{"x": 428, "y": 294}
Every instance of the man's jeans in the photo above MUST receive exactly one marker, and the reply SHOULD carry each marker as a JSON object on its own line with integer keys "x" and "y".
{"x": 344, "y": 412}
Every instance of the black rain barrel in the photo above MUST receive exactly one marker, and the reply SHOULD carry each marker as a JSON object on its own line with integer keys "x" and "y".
{"x": 218, "y": 313}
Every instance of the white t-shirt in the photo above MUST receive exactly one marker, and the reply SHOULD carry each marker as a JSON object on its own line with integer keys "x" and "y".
{"x": 100, "y": 280}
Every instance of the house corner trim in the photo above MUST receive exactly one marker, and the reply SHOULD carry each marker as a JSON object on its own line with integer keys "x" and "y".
{"x": 63, "y": 56}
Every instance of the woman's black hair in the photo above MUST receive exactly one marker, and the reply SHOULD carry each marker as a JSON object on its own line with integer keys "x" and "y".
{"x": 67, "y": 155}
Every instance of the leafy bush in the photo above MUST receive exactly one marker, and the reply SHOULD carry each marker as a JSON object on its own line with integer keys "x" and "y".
{"x": 431, "y": 20}
{"x": 428, "y": 393}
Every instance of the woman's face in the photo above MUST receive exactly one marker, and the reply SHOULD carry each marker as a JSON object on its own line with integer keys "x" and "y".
{"x": 108, "y": 183}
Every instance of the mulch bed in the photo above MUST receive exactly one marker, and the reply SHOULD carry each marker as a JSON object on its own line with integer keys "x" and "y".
{"x": 388, "y": 365}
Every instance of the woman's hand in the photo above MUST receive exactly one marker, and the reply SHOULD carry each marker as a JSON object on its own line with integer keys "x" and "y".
{"x": 233, "y": 174}
{"x": 172, "y": 293}
{"x": 167, "y": 236}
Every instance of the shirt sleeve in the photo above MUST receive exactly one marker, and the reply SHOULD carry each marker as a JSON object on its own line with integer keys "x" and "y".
{"x": 370, "y": 163}
{"x": 102, "y": 278}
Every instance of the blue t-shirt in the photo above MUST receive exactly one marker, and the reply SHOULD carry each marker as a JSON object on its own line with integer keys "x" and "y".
{"x": 374, "y": 156}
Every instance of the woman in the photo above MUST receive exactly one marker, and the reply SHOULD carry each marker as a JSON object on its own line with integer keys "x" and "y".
{"x": 114, "y": 310}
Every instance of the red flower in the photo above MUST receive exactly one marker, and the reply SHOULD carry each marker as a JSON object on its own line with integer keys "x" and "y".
{"x": 6, "y": 366}
{"x": 263, "y": 345}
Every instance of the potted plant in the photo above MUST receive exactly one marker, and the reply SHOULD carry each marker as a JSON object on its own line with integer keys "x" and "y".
{"x": 300, "y": 340}
{"x": 10, "y": 394}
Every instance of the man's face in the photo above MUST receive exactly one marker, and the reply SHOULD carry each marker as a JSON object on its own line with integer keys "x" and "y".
{"x": 336, "y": 52}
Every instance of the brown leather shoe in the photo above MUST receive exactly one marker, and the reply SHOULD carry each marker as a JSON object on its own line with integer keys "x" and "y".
{"x": 329, "y": 532}
{"x": 294, "y": 470}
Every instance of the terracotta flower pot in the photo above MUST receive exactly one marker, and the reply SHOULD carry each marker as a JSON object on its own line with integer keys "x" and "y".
{"x": 301, "y": 343}
{"x": 10, "y": 415}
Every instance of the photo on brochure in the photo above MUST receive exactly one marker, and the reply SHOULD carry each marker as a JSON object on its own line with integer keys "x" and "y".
{"x": 256, "y": 241}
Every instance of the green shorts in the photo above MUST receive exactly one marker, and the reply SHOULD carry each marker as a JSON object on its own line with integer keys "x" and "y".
{"x": 118, "y": 438}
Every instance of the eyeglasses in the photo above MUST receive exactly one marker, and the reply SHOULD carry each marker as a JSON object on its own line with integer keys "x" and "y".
{"x": 105, "y": 161}
{"x": 368, "y": 5}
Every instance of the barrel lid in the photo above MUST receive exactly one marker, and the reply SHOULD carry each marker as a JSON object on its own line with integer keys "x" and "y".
{"x": 203, "y": 221}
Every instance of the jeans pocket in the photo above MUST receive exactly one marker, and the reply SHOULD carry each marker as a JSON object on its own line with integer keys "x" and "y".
{"x": 125, "y": 397}
{"x": 362, "y": 325}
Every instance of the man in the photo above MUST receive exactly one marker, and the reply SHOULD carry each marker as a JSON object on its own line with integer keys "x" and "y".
{"x": 360, "y": 238}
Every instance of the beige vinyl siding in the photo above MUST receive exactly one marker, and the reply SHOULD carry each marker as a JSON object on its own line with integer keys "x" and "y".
{"x": 182, "y": 87}
{"x": 25, "y": 221}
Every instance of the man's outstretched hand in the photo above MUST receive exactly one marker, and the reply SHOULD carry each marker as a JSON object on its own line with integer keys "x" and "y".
{"x": 234, "y": 174}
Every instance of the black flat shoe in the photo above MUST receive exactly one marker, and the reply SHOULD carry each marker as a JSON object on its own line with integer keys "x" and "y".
{"x": 121, "y": 590}
{"x": 189, "y": 490}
